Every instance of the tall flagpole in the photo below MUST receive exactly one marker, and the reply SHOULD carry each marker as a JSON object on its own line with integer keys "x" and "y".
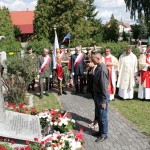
{"x": 69, "y": 43}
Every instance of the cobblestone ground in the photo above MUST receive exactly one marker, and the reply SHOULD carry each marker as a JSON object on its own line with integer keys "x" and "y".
{"x": 122, "y": 135}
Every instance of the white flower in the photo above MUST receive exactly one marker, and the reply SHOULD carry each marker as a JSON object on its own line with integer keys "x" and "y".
{"x": 55, "y": 123}
{"x": 60, "y": 123}
{"x": 72, "y": 120}
{"x": 51, "y": 123}
{"x": 75, "y": 145}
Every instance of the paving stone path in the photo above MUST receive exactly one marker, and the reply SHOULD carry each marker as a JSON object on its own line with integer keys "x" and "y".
{"x": 122, "y": 135}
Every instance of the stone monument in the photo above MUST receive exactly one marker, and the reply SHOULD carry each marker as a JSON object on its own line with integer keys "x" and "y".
{"x": 18, "y": 126}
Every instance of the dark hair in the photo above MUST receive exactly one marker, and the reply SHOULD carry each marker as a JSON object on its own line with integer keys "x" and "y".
{"x": 30, "y": 47}
{"x": 107, "y": 48}
{"x": 148, "y": 45}
{"x": 94, "y": 52}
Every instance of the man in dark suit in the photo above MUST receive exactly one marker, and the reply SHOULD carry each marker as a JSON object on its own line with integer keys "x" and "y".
{"x": 77, "y": 68}
{"x": 45, "y": 71}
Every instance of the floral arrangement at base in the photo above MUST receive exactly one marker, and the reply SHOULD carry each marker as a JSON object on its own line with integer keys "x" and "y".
{"x": 57, "y": 128}
{"x": 72, "y": 140}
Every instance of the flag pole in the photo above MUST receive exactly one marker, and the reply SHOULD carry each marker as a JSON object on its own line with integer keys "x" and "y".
{"x": 69, "y": 43}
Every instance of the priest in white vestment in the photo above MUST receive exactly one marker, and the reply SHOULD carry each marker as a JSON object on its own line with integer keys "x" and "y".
{"x": 112, "y": 65}
{"x": 144, "y": 67}
{"x": 127, "y": 71}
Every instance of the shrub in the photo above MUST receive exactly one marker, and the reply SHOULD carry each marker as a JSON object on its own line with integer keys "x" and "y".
{"x": 21, "y": 72}
{"x": 118, "y": 48}
{"x": 10, "y": 46}
{"x": 38, "y": 46}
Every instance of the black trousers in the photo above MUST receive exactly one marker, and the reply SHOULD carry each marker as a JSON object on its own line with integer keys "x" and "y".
{"x": 80, "y": 78}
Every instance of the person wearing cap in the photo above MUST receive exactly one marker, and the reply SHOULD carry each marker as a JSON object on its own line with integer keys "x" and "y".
{"x": 34, "y": 58}
{"x": 144, "y": 67}
{"x": 64, "y": 57}
{"x": 112, "y": 64}
{"x": 127, "y": 70}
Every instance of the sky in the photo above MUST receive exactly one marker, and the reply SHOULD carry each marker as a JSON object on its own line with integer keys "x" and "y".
{"x": 105, "y": 8}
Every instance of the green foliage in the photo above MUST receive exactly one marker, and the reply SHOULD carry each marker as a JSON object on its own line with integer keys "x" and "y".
{"x": 118, "y": 48}
{"x": 10, "y": 46}
{"x": 124, "y": 36}
{"x": 7, "y": 30}
{"x": 111, "y": 30}
{"x": 21, "y": 72}
{"x": 6, "y": 27}
{"x": 136, "y": 31}
{"x": 35, "y": 146}
{"x": 38, "y": 46}
{"x": 67, "y": 146}
{"x": 143, "y": 28}
{"x": 17, "y": 32}
{"x": 5, "y": 147}
{"x": 71, "y": 16}
{"x": 139, "y": 6}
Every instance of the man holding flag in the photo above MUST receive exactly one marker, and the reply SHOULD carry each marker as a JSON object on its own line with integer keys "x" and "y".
{"x": 44, "y": 71}
{"x": 64, "y": 62}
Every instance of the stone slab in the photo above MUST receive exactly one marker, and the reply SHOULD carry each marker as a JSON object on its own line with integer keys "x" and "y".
{"x": 21, "y": 126}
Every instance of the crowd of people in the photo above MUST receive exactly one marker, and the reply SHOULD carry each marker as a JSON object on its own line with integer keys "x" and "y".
{"x": 102, "y": 74}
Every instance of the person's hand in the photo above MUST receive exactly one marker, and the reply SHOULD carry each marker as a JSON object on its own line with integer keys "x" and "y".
{"x": 38, "y": 76}
{"x": 50, "y": 76}
{"x": 109, "y": 64}
{"x": 103, "y": 105}
{"x": 72, "y": 73}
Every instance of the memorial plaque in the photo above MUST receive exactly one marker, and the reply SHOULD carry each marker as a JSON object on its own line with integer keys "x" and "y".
{"x": 21, "y": 126}
{"x": 18, "y": 126}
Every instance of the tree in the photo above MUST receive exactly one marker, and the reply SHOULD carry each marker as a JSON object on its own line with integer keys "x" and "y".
{"x": 91, "y": 12}
{"x": 17, "y": 32}
{"x": 111, "y": 30}
{"x": 69, "y": 16}
{"x": 6, "y": 27}
{"x": 7, "y": 30}
{"x": 139, "y": 6}
{"x": 136, "y": 31}
{"x": 124, "y": 36}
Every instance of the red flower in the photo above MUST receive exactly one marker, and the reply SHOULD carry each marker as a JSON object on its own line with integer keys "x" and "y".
{"x": 12, "y": 142}
{"x": 28, "y": 148}
{"x": 58, "y": 137}
{"x": 53, "y": 112}
{"x": 21, "y": 105}
{"x": 14, "y": 106}
{"x": 26, "y": 109}
{"x": 16, "y": 110}
{"x": 42, "y": 143}
{"x": 1, "y": 139}
{"x": 16, "y": 148}
{"x": 60, "y": 115}
{"x": 27, "y": 142}
{"x": 2, "y": 147}
{"x": 22, "y": 148}
{"x": 36, "y": 139}
{"x": 79, "y": 135}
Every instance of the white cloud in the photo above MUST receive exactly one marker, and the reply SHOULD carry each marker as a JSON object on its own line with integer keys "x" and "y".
{"x": 117, "y": 7}
{"x": 19, "y": 4}
{"x": 105, "y": 8}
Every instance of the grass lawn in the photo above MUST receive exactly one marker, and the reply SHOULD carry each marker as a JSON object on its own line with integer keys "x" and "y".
{"x": 48, "y": 102}
{"x": 138, "y": 112}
